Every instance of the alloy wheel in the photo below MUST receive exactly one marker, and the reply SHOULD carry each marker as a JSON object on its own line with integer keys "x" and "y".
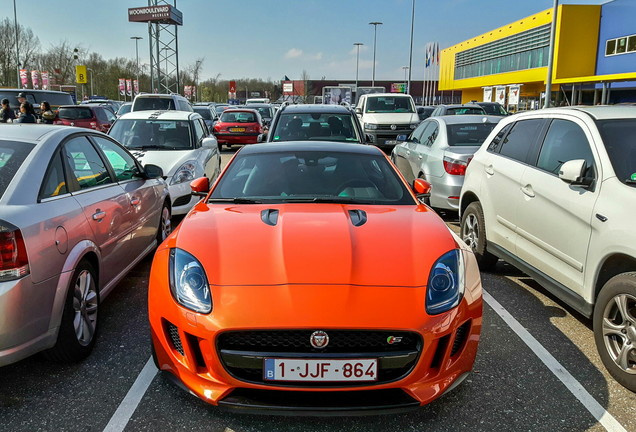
{"x": 619, "y": 331}
{"x": 85, "y": 303}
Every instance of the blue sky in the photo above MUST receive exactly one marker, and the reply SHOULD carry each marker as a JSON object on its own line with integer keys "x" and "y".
{"x": 272, "y": 38}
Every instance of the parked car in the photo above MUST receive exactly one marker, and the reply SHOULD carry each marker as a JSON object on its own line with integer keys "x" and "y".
{"x": 124, "y": 109}
{"x": 444, "y": 110}
{"x": 86, "y": 116}
{"x": 177, "y": 141}
{"x": 288, "y": 296}
{"x": 493, "y": 108}
{"x": 219, "y": 108}
{"x": 552, "y": 192}
{"x": 266, "y": 111}
{"x": 159, "y": 101}
{"x": 316, "y": 122}
{"x": 111, "y": 104}
{"x": 439, "y": 151}
{"x": 208, "y": 114}
{"x": 36, "y": 97}
{"x": 424, "y": 112}
{"x": 77, "y": 212}
{"x": 384, "y": 116}
{"x": 239, "y": 126}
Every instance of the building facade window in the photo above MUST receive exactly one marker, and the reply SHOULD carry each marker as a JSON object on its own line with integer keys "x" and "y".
{"x": 525, "y": 50}
{"x": 621, "y": 45}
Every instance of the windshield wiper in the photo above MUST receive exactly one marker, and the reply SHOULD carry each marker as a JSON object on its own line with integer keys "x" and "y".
{"x": 630, "y": 181}
{"x": 145, "y": 147}
{"x": 235, "y": 200}
{"x": 323, "y": 199}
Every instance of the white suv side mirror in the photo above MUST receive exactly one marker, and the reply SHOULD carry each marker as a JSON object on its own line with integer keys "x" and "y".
{"x": 573, "y": 172}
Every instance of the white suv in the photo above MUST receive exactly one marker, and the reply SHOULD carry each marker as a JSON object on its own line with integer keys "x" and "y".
{"x": 553, "y": 192}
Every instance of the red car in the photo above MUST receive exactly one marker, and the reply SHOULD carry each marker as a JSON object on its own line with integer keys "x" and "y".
{"x": 87, "y": 116}
{"x": 239, "y": 126}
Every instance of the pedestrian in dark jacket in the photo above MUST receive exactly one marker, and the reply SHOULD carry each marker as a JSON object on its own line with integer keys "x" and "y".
{"x": 47, "y": 113}
{"x": 6, "y": 113}
{"x": 27, "y": 113}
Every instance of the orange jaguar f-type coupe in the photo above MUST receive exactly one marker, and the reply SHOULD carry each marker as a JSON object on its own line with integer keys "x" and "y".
{"x": 311, "y": 280}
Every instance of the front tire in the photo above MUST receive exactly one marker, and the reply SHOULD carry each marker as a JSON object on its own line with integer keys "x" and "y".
{"x": 615, "y": 328}
{"x": 79, "y": 326}
{"x": 473, "y": 232}
{"x": 165, "y": 226}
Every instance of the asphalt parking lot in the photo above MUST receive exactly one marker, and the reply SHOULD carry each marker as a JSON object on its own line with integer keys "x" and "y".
{"x": 537, "y": 370}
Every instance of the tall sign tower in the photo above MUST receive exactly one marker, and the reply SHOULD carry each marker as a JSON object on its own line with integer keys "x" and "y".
{"x": 163, "y": 20}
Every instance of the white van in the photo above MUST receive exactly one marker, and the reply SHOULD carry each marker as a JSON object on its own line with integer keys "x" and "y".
{"x": 384, "y": 116}
{"x": 257, "y": 101}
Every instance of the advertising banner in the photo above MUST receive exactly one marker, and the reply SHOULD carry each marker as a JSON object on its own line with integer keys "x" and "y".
{"x": 122, "y": 86}
{"x": 398, "y": 88}
{"x": 501, "y": 95}
{"x": 487, "y": 94}
{"x": 187, "y": 92}
{"x": 24, "y": 77}
{"x": 336, "y": 95}
{"x": 129, "y": 87}
{"x": 35, "y": 79}
{"x": 288, "y": 87}
{"x": 513, "y": 94}
{"x": 136, "y": 86}
{"x": 45, "y": 80}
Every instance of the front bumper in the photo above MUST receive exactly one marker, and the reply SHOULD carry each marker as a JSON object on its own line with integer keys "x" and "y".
{"x": 386, "y": 138}
{"x": 190, "y": 347}
{"x": 182, "y": 198}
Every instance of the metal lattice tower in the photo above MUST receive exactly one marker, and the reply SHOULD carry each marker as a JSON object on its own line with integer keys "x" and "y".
{"x": 164, "y": 53}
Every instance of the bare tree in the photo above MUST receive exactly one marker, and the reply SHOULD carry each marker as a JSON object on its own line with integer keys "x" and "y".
{"x": 28, "y": 45}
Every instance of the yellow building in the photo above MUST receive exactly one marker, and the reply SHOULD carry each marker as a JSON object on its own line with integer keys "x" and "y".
{"x": 517, "y": 54}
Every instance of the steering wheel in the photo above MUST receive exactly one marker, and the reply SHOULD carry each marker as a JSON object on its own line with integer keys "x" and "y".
{"x": 354, "y": 183}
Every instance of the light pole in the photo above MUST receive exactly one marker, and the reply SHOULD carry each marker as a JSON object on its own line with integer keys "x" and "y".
{"x": 91, "y": 72}
{"x": 357, "y": 45}
{"x": 408, "y": 84}
{"x": 17, "y": 51}
{"x": 405, "y": 82}
{"x": 136, "y": 38}
{"x": 548, "y": 81}
{"x": 375, "y": 25}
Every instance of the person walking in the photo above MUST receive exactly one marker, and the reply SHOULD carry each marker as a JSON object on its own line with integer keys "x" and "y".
{"x": 6, "y": 113}
{"x": 27, "y": 113}
{"x": 47, "y": 113}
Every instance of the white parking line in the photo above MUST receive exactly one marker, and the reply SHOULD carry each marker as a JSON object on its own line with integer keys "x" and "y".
{"x": 604, "y": 418}
{"x": 127, "y": 407}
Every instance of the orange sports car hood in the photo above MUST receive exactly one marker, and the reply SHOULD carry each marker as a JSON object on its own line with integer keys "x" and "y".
{"x": 296, "y": 243}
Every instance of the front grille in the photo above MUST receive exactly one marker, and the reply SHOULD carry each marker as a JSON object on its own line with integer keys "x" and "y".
{"x": 182, "y": 200}
{"x": 387, "y": 127}
{"x": 174, "y": 337}
{"x": 243, "y": 352}
{"x": 460, "y": 338}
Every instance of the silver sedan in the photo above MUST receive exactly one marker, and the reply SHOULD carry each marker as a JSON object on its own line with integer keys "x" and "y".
{"x": 439, "y": 151}
{"x": 77, "y": 212}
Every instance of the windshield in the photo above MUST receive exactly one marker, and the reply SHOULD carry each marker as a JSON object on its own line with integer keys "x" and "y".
{"x": 312, "y": 176}
{"x": 265, "y": 112}
{"x": 220, "y": 108}
{"x": 618, "y": 137}
{"x": 232, "y": 116}
{"x": 390, "y": 104}
{"x": 75, "y": 113}
{"x": 205, "y": 112}
{"x": 316, "y": 126}
{"x": 153, "y": 103}
{"x": 124, "y": 109}
{"x": 152, "y": 134}
{"x": 12, "y": 154}
{"x": 468, "y": 134}
{"x": 494, "y": 109}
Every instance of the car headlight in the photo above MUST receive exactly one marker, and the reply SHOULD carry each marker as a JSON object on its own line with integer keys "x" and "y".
{"x": 185, "y": 173}
{"x": 445, "y": 286}
{"x": 414, "y": 125}
{"x": 370, "y": 126}
{"x": 188, "y": 282}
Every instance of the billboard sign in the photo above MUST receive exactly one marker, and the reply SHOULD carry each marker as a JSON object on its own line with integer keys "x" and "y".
{"x": 164, "y": 14}
{"x": 288, "y": 87}
{"x": 398, "y": 87}
{"x": 487, "y": 94}
{"x": 332, "y": 95}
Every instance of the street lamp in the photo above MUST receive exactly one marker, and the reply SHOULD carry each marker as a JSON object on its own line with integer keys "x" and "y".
{"x": 357, "y": 45}
{"x": 17, "y": 51}
{"x": 405, "y": 82}
{"x": 408, "y": 84}
{"x": 136, "y": 38}
{"x": 375, "y": 33}
{"x": 91, "y": 72}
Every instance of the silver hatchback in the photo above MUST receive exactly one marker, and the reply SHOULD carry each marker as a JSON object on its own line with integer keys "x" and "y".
{"x": 439, "y": 151}
{"x": 77, "y": 212}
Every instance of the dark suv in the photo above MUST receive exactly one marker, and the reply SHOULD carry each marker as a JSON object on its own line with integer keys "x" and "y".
{"x": 316, "y": 123}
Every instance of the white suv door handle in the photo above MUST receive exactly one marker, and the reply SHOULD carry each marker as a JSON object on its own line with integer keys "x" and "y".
{"x": 489, "y": 170}
{"x": 528, "y": 191}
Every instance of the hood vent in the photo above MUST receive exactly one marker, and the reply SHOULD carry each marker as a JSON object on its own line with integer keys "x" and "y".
{"x": 269, "y": 217}
{"x": 358, "y": 217}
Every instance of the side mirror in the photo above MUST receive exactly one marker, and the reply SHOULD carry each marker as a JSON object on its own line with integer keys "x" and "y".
{"x": 209, "y": 142}
{"x": 200, "y": 186}
{"x": 421, "y": 187}
{"x": 573, "y": 172}
{"x": 358, "y": 110}
{"x": 152, "y": 171}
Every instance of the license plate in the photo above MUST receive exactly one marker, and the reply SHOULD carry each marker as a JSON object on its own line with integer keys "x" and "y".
{"x": 391, "y": 142}
{"x": 237, "y": 129}
{"x": 320, "y": 370}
